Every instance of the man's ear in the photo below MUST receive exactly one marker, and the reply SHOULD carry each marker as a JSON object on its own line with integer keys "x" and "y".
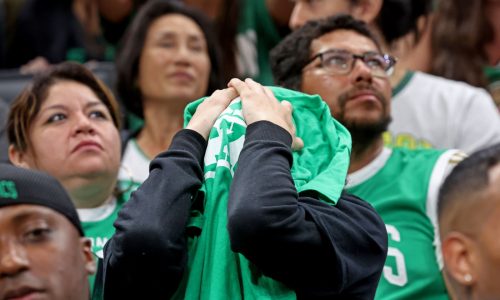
{"x": 367, "y": 10}
{"x": 459, "y": 255}
{"x": 90, "y": 263}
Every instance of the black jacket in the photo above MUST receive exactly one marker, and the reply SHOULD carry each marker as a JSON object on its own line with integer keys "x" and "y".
{"x": 319, "y": 250}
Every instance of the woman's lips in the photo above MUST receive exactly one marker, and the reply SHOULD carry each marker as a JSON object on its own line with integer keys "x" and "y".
{"x": 182, "y": 76}
{"x": 87, "y": 145}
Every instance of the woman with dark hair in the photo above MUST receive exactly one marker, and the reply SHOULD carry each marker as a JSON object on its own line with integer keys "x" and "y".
{"x": 87, "y": 31}
{"x": 461, "y": 33}
{"x": 465, "y": 40}
{"x": 66, "y": 123}
{"x": 168, "y": 59}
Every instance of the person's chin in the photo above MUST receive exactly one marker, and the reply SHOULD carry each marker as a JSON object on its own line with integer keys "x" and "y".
{"x": 95, "y": 166}
{"x": 184, "y": 94}
{"x": 365, "y": 119}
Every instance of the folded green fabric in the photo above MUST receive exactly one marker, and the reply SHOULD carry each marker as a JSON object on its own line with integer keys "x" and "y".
{"x": 214, "y": 271}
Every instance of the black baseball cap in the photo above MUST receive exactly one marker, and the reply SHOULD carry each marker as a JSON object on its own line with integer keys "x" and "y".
{"x": 24, "y": 186}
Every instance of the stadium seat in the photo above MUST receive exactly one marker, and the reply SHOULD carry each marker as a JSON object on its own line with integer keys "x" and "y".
{"x": 11, "y": 84}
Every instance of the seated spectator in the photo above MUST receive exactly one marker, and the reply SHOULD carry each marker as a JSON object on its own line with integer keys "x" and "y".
{"x": 263, "y": 234}
{"x": 339, "y": 59}
{"x": 50, "y": 32}
{"x": 469, "y": 219}
{"x": 168, "y": 59}
{"x": 44, "y": 254}
{"x": 427, "y": 111}
{"x": 472, "y": 53}
{"x": 474, "y": 44}
{"x": 246, "y": 31}
{"x": 66, "y": 124}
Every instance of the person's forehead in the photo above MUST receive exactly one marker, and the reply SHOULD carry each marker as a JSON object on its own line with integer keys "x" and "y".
{"x": 64, "y": 88}
{"x": 70, "y": 93}
{"x": 324, "y": 8}
{"x": 349, "y": 40}
{"x": 173, "y": 24}
{"x": 18, "y": 214}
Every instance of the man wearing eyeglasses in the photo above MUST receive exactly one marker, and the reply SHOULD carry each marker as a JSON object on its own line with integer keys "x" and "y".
{"x": 340, "y": 59}
{"x": 427, "y": 111}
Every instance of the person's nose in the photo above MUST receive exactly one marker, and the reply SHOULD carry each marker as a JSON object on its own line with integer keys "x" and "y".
{"x": 83, "y": 124}
{"x": 183, "y": 55}
{"x": 361, "y": 72}
{"x": 298, "y": 16}
{"x": 13, "y": 259}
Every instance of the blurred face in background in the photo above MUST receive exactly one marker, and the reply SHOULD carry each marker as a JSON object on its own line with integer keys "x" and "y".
{"x": 72, "y": 137}
{"x": 306, "y": 10}
{"x": 174, "y": 64}
{"x": 211, "y": 8}
{"x": 492, "y": 11}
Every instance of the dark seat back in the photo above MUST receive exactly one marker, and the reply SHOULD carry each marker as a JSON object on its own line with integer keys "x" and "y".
{"x": 12, "y": 83}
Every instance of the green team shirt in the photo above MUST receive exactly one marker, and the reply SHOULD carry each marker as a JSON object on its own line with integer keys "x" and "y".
{"x": 97, "y": 224}
{"x": 493, "y": 75}
{"x": 214, "y": 271}
{"x": 135, "y": 168}
{"x": 257, "y": 35}
{"x": 402, "y": 185}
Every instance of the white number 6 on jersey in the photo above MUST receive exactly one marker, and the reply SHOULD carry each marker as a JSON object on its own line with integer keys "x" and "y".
{"x": 400, "y": 277}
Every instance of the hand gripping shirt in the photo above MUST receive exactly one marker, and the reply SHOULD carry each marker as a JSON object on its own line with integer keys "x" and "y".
{"x": 214, "y": 270}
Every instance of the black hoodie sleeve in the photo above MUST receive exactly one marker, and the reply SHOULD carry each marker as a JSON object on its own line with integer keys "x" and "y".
{"x": 319, "y": 250}
{"x": 147, "y": 255}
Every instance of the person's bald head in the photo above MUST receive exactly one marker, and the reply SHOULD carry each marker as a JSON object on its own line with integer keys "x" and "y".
{"x": 469, "y": 221}
{"x": 466, "y": 194}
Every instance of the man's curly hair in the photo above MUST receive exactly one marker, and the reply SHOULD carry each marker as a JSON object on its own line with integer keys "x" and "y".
{"x": 292, "y": 54}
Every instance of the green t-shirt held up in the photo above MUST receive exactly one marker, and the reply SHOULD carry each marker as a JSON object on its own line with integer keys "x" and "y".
{"x": 214, "y": 271}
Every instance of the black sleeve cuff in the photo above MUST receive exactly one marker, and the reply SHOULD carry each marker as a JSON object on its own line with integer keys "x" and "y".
{"x": 189, "y": 140}
{"x": 268, "y": 131}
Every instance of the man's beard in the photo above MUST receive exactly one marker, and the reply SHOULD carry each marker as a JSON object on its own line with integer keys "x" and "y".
{"x": 363, "y": 133}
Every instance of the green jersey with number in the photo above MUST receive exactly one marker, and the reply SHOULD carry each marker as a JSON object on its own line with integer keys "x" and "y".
{"x": 402, "y": 185}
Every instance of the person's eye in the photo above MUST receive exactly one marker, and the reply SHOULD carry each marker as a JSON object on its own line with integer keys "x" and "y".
{"x": 56, "y": 117}
{"x": 37, "y": 234}
{"x": 336, "y": 61}
{"x": 375, "y": 62}
{"x": 166, "y": 44}
{"x": 196, "y": 48}
{"x": 97, "y": 114}
{"x": 313, "y": 2}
